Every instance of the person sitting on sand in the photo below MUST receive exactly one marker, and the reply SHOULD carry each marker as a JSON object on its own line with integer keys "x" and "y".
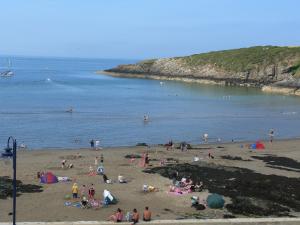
{"x": 135, "y": 216}
{"x": 63, "y": 164}
{"x": 117, "y": 217}
{"x": 121, "y": 179}
{"x": 100, "y": 170}
{"x": 210, "y": 156}
{"x": 147, "y": 214}
{"x": 84, "y": 202}
{"x": 106, "y": 180}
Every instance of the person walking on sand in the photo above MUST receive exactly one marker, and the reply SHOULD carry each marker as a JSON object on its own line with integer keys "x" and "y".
{"x": 96, "y": 161}
{"x": 147, "y": 214}
{"x": 271, "y": 135}
{"x": 92, "y": 142}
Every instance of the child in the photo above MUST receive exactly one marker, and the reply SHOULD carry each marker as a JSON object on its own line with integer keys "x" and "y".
{"x": 91, "y": 192}
{"x": 75, "y": 190}
{"x": 96, "y": 161}
{"x": 83, "y": 191}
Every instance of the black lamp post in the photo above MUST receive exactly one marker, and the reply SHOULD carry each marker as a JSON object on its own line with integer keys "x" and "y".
{"x": 14, "y": 155}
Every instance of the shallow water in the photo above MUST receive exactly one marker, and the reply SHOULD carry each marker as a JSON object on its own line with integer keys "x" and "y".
{"x": 33, "y": 107}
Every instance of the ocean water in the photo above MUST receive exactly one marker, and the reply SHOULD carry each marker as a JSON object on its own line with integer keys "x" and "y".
{"x": 33, "y": 107}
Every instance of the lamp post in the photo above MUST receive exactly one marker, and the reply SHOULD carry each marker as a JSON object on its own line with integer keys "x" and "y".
{"x": 14, "y": 155}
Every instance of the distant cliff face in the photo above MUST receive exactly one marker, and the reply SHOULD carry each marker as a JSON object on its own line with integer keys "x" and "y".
{"x": 255, "y": 66}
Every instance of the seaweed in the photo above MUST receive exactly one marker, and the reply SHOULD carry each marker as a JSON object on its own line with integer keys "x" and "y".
{"x": 279, "y": 194}
{"x": 6, "y": 187}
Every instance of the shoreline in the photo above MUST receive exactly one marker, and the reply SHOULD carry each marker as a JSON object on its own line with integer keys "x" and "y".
{"x": 271, "y": 89}
{"x": 150, "y": 145}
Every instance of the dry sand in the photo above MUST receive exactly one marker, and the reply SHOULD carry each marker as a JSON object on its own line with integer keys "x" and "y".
{"x": 49, "y": 204}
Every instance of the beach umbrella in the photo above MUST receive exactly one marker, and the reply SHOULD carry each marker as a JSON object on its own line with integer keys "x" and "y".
{"x": 215, "y": 201}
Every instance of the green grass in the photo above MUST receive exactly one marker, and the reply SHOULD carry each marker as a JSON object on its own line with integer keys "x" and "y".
{"x": 246, "y": 59}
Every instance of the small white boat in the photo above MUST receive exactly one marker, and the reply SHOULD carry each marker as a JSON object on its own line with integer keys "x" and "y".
{"x": 8, "y": 72}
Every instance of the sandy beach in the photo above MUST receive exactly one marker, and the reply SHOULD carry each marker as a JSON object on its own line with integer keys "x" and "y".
{"x": 49, "y": 205}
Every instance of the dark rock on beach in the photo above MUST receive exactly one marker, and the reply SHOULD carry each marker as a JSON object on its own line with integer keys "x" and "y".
{"x": 277, "y": 195}
{"x": 6, "y": 187}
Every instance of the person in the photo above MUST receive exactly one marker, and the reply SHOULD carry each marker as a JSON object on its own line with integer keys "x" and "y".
{"x": 146, "y": 118}
{"x": 146, "y": 159}
{"x": 147, "y": 214}
{"x": 70, "y": 110}
{"x": 75, "y": 190}
{"x": 117, "y": 217}
{"x": 271, "y": 135}
{"x": 174, "y": 177}
{"x": 91, "y": 191}
{"x": 121, "y": 179}
{"x": 196, "y": 158}
{"x": 205, "y": 137}
{"x": 91, "y": 169}
{"x": 101, "y": 158}
{"x": 83, "y": 190}
{"x": 100, "y": 170}
{"x": 23, "y": 146}
{"x": 97, "y": 144}
{"x": 84, "y": 202}
{"x": 96, "y": 161}
{"x": 63, "y": 164}
{"x": 135, "y": 216}
{"x": 170, "y": 145}
{"x": 92, "y": 142}
{"x": 106, "y": 180}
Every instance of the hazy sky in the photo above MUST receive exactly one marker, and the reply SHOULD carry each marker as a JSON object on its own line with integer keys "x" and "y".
{"x": 143, "y": 28}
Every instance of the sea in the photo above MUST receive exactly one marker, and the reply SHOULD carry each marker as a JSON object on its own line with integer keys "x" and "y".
{"x": 34, "y": 106}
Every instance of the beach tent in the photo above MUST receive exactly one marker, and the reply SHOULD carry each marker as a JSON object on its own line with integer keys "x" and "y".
{"x": 260, "y": 145}
{"x": 49, "y": 178}
{"x": 257, "y": 145}
{"x": 109, "y": 199}
{"x": 215, "y": 201}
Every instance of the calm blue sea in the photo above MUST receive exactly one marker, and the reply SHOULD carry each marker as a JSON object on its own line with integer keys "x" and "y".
{"x": 34, "y": 101}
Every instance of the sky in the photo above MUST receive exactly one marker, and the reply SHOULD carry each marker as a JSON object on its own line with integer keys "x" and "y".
{"x": 139, "y": 29}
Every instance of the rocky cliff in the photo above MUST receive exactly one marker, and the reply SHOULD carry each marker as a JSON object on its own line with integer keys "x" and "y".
{"x": 254, "y": 66}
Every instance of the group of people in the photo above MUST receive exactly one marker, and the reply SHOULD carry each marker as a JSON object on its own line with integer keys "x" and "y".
{"x": 84, "y": 191}
{"x": 95, "y": 144}
{"x": 185, "y": 185}
{"x": 130, "y": 216}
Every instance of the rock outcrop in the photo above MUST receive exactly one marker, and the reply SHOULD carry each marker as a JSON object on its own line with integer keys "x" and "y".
{"x": 256, "y": 66}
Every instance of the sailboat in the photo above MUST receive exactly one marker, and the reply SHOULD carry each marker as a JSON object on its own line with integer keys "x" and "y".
{"x": 8, "y": 72}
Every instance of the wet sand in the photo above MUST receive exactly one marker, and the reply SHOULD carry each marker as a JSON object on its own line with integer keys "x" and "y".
{"x": 48, "y": 205}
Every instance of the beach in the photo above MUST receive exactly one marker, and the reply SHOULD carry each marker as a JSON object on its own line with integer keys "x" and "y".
{"x": 49, "y": 204}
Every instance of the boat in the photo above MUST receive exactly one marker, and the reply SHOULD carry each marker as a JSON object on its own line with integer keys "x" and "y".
{"x": 8, "y": 72}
